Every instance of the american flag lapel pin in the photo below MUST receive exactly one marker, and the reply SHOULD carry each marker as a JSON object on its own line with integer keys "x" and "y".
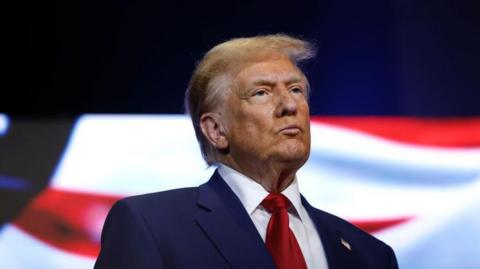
{"x": 345, "y": 244}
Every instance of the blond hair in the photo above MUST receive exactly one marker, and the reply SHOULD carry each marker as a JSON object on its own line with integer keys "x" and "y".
{"x": 213, "y": 75}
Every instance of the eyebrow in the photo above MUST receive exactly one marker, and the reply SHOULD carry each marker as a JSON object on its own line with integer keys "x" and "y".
{"x": 271, "y": 82}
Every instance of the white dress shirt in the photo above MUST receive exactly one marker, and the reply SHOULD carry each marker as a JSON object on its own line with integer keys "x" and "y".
{"x": 251, "y": 194}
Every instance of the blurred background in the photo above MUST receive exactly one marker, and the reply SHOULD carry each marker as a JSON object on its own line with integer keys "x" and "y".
{"x": 97, "y": 114}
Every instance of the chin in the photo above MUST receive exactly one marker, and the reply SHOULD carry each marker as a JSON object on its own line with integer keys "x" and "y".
{"x": 296, "y": 154}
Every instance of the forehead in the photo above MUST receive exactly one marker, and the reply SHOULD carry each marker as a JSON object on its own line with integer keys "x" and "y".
{"x": 279, "y": 70}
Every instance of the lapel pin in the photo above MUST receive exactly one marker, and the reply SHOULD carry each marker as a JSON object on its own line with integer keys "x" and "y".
{"x": 345, "y": 244}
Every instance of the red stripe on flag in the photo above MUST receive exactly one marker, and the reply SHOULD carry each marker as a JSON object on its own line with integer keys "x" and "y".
{"x": 441, "y": 132}
{"x": 68, "y": 220}
{"x": 373, "y": 226}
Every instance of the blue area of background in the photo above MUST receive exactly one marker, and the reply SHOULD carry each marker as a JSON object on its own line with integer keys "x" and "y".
{"x": 389, "y": 57}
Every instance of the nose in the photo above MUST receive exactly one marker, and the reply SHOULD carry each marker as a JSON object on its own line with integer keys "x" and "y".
{"x": 286, "y": 104}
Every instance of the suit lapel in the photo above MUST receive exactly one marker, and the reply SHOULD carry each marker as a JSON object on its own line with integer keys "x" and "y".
{"x": 223, "y": 218}
{"x": 335, "y": 245}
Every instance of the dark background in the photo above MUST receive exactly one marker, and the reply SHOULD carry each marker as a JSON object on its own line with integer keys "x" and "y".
{"x": 390, "y": 57}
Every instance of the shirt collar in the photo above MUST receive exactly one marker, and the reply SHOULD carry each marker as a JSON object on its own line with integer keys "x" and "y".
{"x": 251, "y": 194}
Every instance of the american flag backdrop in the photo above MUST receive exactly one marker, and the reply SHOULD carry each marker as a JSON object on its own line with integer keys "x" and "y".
{"x": 412, "y": 182}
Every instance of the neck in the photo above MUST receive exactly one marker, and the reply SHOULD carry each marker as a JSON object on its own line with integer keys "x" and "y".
{"x": 274, "y": 177}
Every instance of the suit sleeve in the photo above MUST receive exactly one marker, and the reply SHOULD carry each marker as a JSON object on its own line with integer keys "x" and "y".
{"x": 127, "y": 241}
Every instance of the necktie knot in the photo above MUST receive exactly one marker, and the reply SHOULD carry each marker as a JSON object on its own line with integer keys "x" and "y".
{"x": 276, "y": 201}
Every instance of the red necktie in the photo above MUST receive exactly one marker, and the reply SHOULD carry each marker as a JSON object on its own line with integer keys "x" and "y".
{"x": 281, "y": 242}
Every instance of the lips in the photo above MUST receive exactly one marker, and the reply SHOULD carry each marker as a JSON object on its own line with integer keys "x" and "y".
{"x": 291, "y": 129}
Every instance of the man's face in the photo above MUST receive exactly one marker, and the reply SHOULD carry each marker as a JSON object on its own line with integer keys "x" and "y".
{"x": 267, "y": 114}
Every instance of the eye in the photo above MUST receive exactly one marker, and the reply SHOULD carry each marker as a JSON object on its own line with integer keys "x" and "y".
{"x": 260, "y": 92}
{"x": 297, "y": 90}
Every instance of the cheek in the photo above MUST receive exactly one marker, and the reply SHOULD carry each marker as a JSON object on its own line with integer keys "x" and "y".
{"x": 305, "y": 113}
{"x": 245, "y": 127}
{"x": 308, "y": 139}
{"x": 256, "y": 120}
{"x": 254, "y": 131}
{"x": 255, "y": 135}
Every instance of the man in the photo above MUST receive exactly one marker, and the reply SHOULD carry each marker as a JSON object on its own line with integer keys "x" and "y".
{"x": 248, "y": 101}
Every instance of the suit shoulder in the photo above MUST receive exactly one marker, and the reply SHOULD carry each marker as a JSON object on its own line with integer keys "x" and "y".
{"x": 163, "y": 199}
{"x": 371, "y": 251}
{"x": 347, "y": 229}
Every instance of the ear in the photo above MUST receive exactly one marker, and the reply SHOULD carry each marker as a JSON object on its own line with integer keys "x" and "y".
{"x": 213, "y": 130}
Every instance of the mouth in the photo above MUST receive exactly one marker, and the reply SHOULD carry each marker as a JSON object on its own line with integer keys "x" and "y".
{"x": 290, "y": 130}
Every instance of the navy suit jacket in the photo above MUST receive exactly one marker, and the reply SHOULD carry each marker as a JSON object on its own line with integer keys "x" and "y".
{"x": 208, "y": 227}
